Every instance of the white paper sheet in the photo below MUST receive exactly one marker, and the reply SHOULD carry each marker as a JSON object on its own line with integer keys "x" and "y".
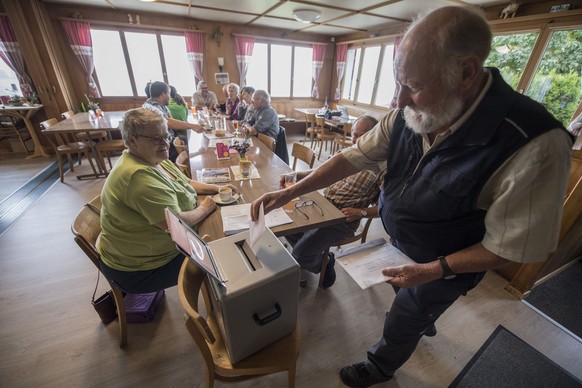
{"x": 365, "y": 265}
{"x": 236, "y": 218}
{"x": 257, "y": 228}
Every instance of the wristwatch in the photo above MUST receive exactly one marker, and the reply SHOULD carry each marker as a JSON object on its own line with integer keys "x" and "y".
{"x": 364, "y": 213}
{"x": 447, "y": 271}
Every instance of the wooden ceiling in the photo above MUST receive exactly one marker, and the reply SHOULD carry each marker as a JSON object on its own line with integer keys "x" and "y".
{"x": 338, "y": 17}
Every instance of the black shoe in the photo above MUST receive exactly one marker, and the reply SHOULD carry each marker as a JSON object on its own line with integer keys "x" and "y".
{"x": 430, "y": 331}
{"x": 360, "y": 375}
{"x": 329, "y": 277}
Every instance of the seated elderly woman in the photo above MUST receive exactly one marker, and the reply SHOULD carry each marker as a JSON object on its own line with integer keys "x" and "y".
{"x": 137, "y": 253}
{"x": 232, "y": 102}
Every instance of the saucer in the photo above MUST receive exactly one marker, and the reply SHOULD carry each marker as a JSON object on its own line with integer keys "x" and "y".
{"x": 219, "y": 201}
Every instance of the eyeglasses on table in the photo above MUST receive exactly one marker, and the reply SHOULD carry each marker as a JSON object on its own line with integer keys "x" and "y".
{"x": 308, "y": 202}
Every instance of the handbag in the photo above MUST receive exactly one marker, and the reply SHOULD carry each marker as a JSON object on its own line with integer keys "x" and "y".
{"x": 105, "y": 304}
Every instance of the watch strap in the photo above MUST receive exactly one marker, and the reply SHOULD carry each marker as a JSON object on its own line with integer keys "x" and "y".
{"x": 447, "y": 271}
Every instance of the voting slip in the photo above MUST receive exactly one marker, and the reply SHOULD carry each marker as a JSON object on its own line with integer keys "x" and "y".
{"x": 364, "y": 263}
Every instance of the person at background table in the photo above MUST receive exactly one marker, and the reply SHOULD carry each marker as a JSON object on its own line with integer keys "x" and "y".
{"x": 353, "y": 196}
{"x": 204, "y": 97}
{"x": 232, "y": 102}
{"x": 246, "y": 111}
{"x": 136, "y": 250}
{"x": 158, "y": 102}
{"x": 177, "y": 106}
{"x": 265, "y": 120}
{"x": 222, "y": 107}
{"x": 476, "y": 179}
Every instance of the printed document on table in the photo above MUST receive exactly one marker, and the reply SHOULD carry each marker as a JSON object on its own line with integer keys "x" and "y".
{"x": 365, "y": 265}
{"x": 236, "y": 218}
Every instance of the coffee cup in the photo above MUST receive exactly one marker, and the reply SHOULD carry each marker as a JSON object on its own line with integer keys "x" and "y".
{"x": 225, "y": 194}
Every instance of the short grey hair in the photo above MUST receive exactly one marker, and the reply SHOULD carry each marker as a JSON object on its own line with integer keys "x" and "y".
{"x": 135, "y": 121}
{"x": 235, "y": 86}
{"x": 369, "y": 118}
{"x": 263, "y": 94}
{"x": 200, "y": 83}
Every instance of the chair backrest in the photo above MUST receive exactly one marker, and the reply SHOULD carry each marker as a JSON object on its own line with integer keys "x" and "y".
{"x": 190, "y": 283}
{"x": 86, "y": 227}
{"x": 347, "y": 128}
{"x": 309, "y": 119}
{"x": 183, "y": 163}
{"x": 68, "y": 114}
{"x": 320, "y": 121}
{"x": 301, "y": 152}
{"x": 56, "y": 139}
{"x": 180, "y": 145}
{"x": 268, "y": 141}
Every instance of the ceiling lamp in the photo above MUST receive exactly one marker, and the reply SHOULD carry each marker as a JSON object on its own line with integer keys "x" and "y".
{"x": 306, "y": 15}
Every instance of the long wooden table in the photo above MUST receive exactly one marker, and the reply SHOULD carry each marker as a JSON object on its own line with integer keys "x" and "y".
{"x": 83, "y": 123}
{"x": 24, "y": 113}
{"x": 270, "y": 168}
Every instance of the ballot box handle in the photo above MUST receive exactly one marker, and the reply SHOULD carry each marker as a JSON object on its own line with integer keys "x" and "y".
{"x": 269, "y": 318}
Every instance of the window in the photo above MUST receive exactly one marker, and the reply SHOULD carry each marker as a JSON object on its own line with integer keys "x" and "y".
{"x": 110, "y": 64}
{"x": 177, "y": 67}
{"x": 257, "y": 75}
{"x": 148, "y": 53}
{"x": 351, "y": 75}
{"x": 282, "y": 70}
{"x": 386, "y": 83}
{"x": 368, "y": 74}
{"x": 302, "y": 72}
{"x": 9, "y": 84}
{"x": 510, "y": 54}
{"x": 145, "y": 60}
{"x": 557, "y": 84}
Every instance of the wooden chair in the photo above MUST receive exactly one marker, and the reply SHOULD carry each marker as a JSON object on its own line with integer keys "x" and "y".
{"x": 86, "y": 227}
{"x": 268, "y": 141}
{"x": 362, "y": 235}
{"x": 310, "y": 128}
{"x": 280, "y": 356}
{"x": 97, "y": 135}
{"x": 180, "y": 145}
{"x": 183, "y": 163}
{"x": 13, "y": 128}
{"x": 63, "y": 144}
{"x": 301, "y": 152}
{"x": 324, "y": 135}
{"x": 106, "y": 147}
{"x": 345, "y": 140}
{"x": 523, "y": 277}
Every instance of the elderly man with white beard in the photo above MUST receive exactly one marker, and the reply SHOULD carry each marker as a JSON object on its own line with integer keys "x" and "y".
{"x": 476, "y": 176}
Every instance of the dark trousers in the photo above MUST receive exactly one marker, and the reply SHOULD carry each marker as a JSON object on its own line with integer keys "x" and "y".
{"x": 412, "y": 312}
{"x": 141, "y": 282}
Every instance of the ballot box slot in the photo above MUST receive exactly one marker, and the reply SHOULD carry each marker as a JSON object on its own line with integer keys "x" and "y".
{"x": 250, "y": 259}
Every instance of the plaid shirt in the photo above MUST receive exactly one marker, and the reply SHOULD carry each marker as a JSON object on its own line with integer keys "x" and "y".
{"x": 357, "y": 191}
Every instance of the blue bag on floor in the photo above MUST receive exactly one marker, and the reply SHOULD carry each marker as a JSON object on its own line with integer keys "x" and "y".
{"x": 141, "y": 308}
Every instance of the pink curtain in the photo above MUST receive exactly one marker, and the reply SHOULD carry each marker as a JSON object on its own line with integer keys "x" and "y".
{"x": 316, "y": 65}
{"x": 195, "y": 52}
{"x": 393, "y": 103}
{"x": 244, "y": 46}
{"x": 11, "y": 54}
{"x": 79, "y": 36}
{"x": 341, "y": 52}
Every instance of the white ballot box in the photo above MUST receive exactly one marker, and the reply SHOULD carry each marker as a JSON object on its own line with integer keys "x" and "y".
{"x": 254, "y": 290}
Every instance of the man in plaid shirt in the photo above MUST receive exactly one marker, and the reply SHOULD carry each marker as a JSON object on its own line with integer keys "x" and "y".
{"x": 353, "y": 196}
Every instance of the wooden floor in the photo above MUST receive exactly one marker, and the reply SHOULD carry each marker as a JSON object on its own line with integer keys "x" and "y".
{"x": 50, "y": 335}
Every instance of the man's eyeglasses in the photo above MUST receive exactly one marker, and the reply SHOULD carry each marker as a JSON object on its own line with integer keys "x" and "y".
{"x": 158, "y": 140}
{"x": 309, "y": 202}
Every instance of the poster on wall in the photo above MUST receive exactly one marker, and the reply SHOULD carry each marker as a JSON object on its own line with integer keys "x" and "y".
{"x": 221, "y": 78}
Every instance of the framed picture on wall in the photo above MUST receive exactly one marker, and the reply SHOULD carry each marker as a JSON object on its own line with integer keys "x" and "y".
{"x": 221, "y": 78}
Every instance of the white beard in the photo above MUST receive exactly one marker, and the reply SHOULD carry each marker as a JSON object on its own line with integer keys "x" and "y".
{"x": 443, "y": 115}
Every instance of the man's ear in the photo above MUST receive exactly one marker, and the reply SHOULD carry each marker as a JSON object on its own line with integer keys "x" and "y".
{"x": 472, "y": 69}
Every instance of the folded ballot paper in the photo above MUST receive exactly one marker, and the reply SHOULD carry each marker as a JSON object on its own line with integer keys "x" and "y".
{"x": 236, "y": 218}
{"x": 364, "y": 263}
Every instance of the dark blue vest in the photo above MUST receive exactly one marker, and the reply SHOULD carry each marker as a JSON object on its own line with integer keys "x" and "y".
{"x": 428, "y": 204}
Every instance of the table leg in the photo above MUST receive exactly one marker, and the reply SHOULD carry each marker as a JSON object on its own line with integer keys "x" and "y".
{"x": 101, "y": 172}
{"x": 38, "y": 147}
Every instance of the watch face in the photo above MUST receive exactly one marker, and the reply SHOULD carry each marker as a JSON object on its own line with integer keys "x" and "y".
{"x": 364, "y": 213}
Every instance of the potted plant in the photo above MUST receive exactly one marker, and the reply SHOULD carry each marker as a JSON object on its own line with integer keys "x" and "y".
{"x": 92, "y": 107}
{"x": 244, "y": 163}
{"x": 16, "y": 100}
